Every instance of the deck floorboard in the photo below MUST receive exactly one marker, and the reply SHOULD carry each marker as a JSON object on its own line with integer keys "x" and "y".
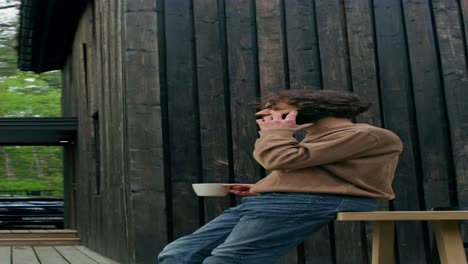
{"x": 51, "y": 255}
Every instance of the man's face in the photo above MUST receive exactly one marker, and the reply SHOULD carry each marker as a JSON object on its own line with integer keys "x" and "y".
{"x": 279, "y": 108}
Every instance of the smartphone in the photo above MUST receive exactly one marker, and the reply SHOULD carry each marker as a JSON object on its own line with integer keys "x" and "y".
{"x": 308, "y": 115}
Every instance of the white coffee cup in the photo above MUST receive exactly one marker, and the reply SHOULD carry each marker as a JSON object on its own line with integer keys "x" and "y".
{"x": 210, "y": 189}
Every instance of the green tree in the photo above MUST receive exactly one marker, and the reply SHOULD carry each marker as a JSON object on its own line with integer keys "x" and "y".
{"x": 26, "y": 94}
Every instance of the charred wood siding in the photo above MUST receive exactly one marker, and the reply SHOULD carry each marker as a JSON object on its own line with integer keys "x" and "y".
{"x": 172, "y": 83}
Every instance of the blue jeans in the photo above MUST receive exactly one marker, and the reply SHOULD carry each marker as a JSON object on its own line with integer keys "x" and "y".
{"x": 261, "y": 229}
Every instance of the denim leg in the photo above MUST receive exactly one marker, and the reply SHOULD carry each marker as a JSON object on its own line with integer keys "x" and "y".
{"x": 194, "y": 248}
{"x": 273, "y": 223}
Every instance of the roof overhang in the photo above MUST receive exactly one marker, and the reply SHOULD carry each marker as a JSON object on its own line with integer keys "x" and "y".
{"x": 38, "y": 131}
{"x": 46, "y": 33}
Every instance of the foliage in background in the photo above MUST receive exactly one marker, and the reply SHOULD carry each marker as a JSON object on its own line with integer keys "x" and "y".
{"x": 26, "y": 94}
{"x": 27, "y": 169}
{"x": 47, "y": 186}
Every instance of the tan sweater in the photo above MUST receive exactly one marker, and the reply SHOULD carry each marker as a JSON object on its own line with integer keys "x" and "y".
{"x": 356, "y": 159}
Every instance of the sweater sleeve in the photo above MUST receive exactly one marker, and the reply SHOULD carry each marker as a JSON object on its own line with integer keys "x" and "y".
{"x": 278, "y": 150}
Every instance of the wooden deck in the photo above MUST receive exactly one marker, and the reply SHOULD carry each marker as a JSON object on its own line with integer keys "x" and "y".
{"x": 46, "y": 247}
{"x": 51, "y": 255}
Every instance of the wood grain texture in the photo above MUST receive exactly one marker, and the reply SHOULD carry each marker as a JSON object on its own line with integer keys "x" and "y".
{"x": 243, "y": 83}
{"x": 273, "y": 73}
{"x": 23, "y": 255}
{"x": 455, "y": 79}
{"x": 398, "y": 113}
{"x": 364, "y": 78}
{"x": 362, "y": 56}
{"x": 183, "y": 116}
{"x": 333, "y": 45}
{"x": 47, "y": 254}
{"x": 145, "y": 184}
{"x": 172, "y": 82}
{"x": 93, "y": 255}
{"x": 302, "y": 42}
{"x": 5, "y": 255}
{"x": 212, "y": 101}
{"x": 403, "y": 215}
{"x": 334, "y": 57}
{"x": 72, "y": 255}
{"x": 428, "y": 98}
{"x": 271, "y": 41}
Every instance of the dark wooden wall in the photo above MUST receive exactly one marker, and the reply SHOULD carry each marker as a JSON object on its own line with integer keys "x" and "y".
{"x": 111, "y": 82}
{"x": 173, "y": 80}
{"x": 93, "y": 90}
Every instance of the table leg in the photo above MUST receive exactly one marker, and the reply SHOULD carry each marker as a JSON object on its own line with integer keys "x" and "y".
{"x": 383, "y": 242}
{"x": 449, "y": 242}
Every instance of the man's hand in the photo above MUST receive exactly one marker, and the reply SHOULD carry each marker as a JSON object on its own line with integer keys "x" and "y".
{"x": 240, "y": 189}
{"x": 276, "y": 121}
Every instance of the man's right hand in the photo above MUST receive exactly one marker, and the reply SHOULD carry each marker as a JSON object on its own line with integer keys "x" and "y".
{"x": 240, "y": 189}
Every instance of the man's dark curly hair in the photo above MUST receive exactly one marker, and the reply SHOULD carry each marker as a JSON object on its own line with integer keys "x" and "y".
{"x": 339, "y": 103}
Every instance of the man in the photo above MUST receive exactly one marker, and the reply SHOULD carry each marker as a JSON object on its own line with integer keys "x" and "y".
{"x": 338, "y": 166}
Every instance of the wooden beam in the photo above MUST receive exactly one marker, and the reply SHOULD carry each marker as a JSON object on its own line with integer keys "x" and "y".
{"x": 403, "y": 216}
{"x": 449, "y": 242}
{"x": 382, "y": 243}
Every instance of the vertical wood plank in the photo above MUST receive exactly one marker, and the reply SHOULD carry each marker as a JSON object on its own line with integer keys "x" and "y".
{"x": 453, "y": 56}
{"x": 111, "y": 196}
{"x": 183, "y": 116}
{"x": 364, "y": 76}
{"x": 395, "y": 83}
{"x": 271, "y": 41}
{"x": 126, "y": 251}
{"x": 331, "y": 27}
{"x": 211, "y": 98}
{"x": 318, "y": 247}
{"x": 90, "y": 46}
{"x": 121, "y": 173}
{"x": 243, "y": 82}
{"x": 95, "y": 203}
{"x": 383, "y": 242}
{"x": 148, "y": 228}
{"x": 108, "y": 195}
{"x": 449, "y": 242}
{"x": 79, "y": 81}
{"x": 305, "y": 73}
{"x": 455, "y": 79}
{"x": 427, "y": 89}
{"x": 274, "y": 73}
{"x": 333, "y": 47}
{"x": 348, "y": 243}
{"x": 464, "y": 13}
{"x": 303, "y": 49}
{"x": 362, "y": 50}
{"x": 118, "y": 196}
{"x": 105, "y": 127}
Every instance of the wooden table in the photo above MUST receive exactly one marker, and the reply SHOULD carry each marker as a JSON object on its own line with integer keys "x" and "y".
{"x": 446, "y": 227}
